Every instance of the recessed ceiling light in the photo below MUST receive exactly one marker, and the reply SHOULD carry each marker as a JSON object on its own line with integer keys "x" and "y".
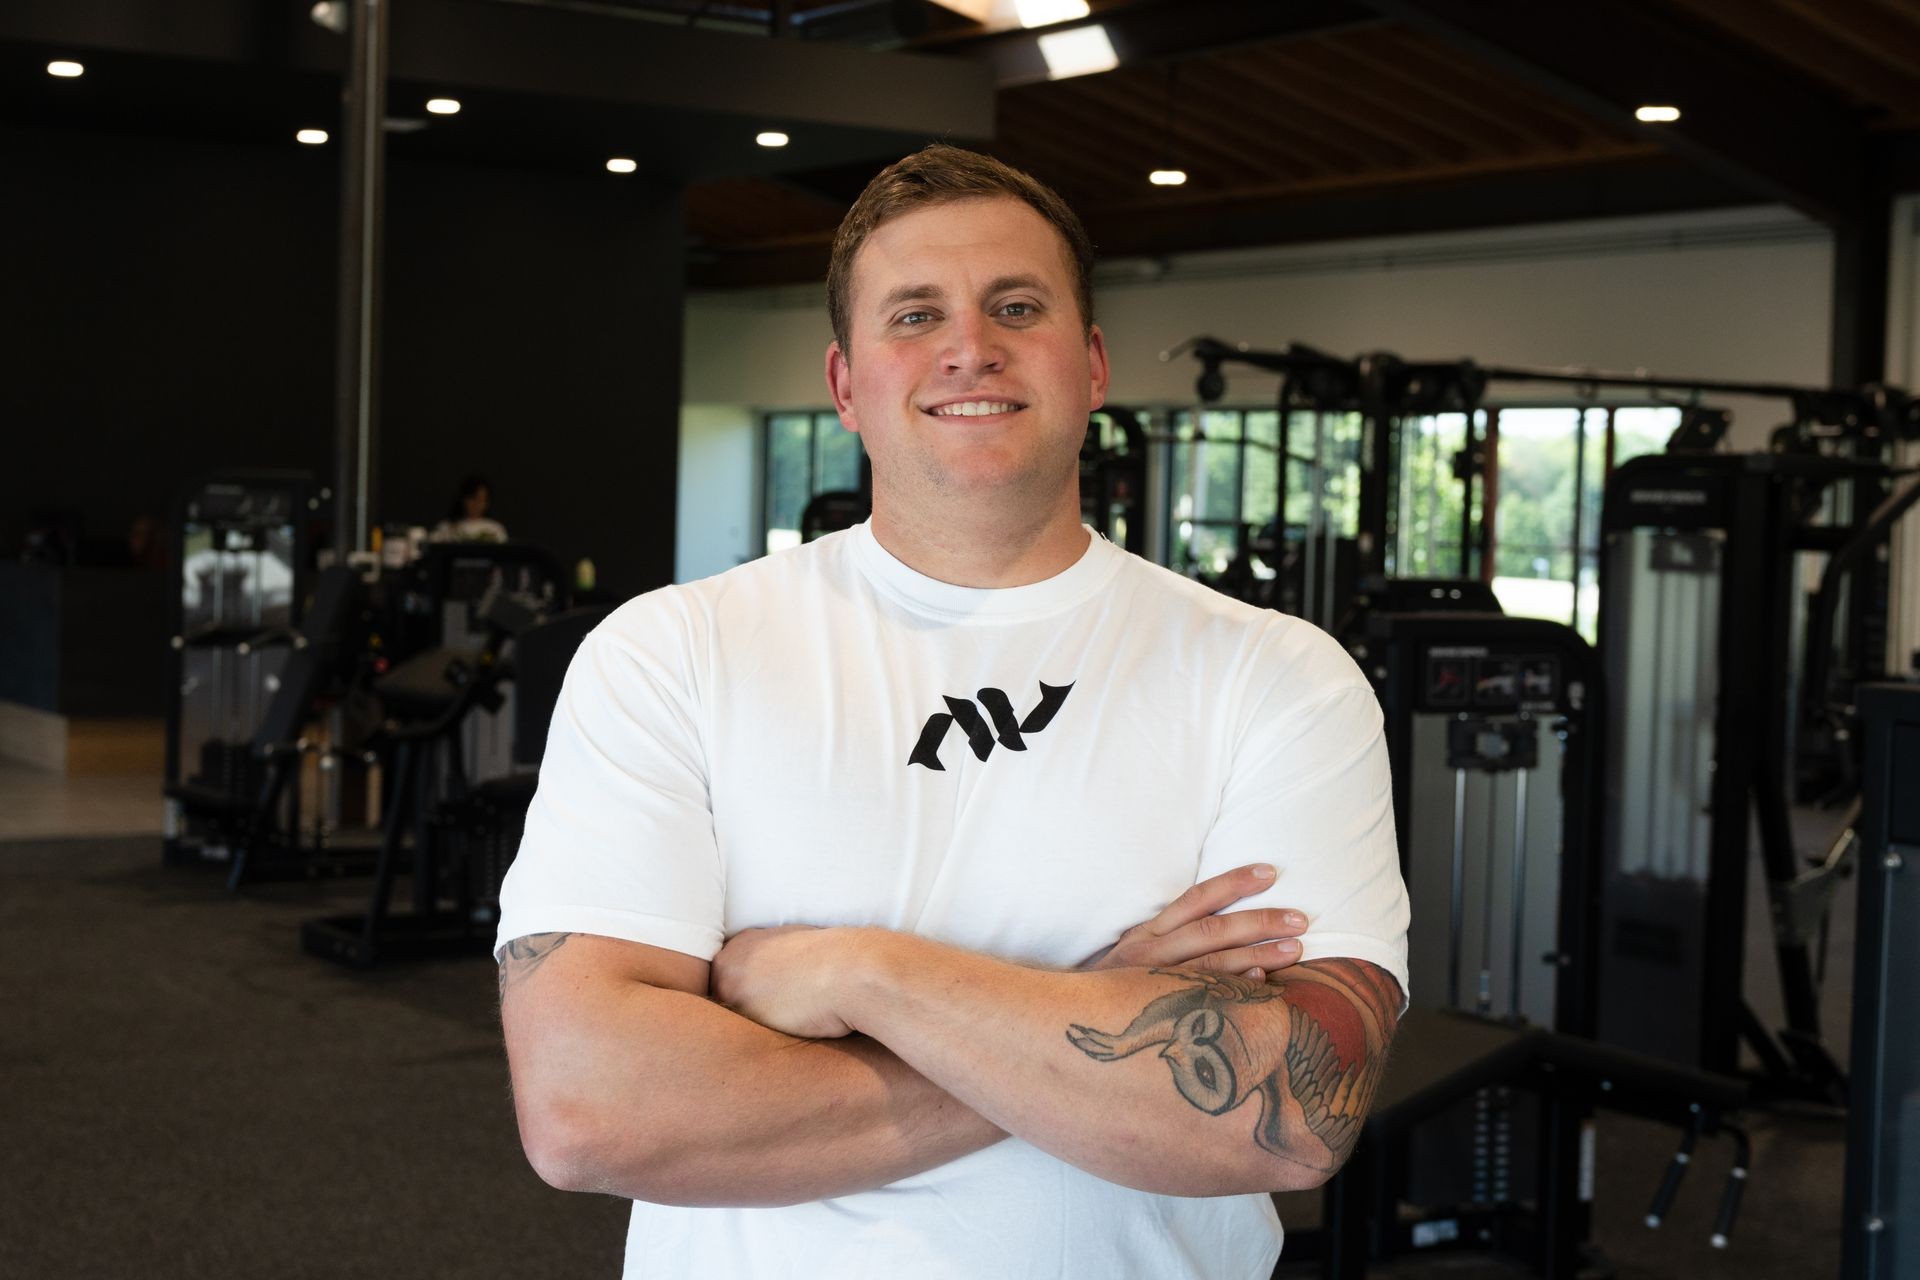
{"x": 312, "y": 137}
{"x": 1657, "y": 115}
{"x": 1168, "y": 177}
{"x": 65, "y": 70}
{"x": 620, "y": 164}
{"x": 1077, "y": 52}
{"x": 443, "y": 106}
{"x": 772, "y": 138}
{"x": 1040, "y": 13}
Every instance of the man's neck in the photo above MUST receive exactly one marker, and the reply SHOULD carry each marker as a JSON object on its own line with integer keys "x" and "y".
{"x": 982, "y": 548}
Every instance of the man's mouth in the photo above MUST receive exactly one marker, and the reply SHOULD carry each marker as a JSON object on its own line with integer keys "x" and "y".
{"x": 974, "y": 408}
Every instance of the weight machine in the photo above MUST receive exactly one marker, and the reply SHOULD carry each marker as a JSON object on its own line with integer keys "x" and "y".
{"x": 464, "y": 725}
{"x": 1702, "y": 560}
{"x": 1356, "y": 462}
{"x": 1482, "y": 1133}
{"x": 1880, "y": 1236}
{"x": 256, "y": 642}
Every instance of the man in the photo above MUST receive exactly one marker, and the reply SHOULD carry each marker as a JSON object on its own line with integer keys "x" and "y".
{"x": 878, "y": 795}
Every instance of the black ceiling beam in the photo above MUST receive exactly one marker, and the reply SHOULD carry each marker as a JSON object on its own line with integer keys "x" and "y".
{"x": 1620, "y": 188}
{"x": 852, "y": 102}
{"x": 1751, "y": 121}
{"x": 1154, "y": 30}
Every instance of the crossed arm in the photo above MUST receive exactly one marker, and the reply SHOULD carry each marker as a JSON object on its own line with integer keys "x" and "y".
{"x": 1252, "y": 1085}
{"x": 629, "y": 1081}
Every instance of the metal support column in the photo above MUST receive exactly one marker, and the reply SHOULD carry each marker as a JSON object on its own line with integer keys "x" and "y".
{"x": 362, "y": 223}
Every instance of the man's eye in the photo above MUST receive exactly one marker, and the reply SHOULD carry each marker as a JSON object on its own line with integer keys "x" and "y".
{"x": 912, "y": 318}
{"x": 1019, "y": 310}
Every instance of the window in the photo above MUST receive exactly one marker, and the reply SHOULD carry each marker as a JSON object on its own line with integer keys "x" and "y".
{"x": 805, "y": 454}
{"x": 1552, "y": 467}
{"x": 1222, "y": 480}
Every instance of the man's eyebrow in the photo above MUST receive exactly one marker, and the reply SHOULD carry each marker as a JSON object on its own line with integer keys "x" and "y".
{"x": 932, "y": 292}
{"x": 1005, "y": 284}
{"x": 911, "y": 293}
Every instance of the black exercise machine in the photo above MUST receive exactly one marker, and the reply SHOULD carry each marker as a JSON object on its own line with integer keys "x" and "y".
{"x": 1880, "y": 1234}
{"x": 1700, "y": 592}
{"x": 454, "y": 833}
{"x": 251, "y": 815}
{"x": 257, "y": 640}
{"x": 1356, "y": 413}
{"x": 1113, "y": 478}
{"x": 1481, "y": 1135}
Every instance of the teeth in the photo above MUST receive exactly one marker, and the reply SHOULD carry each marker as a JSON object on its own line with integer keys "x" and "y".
{"x": 974, "y": 408}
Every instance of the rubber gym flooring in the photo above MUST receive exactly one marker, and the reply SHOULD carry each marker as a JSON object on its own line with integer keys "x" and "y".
{"x": 185, "y": 1093}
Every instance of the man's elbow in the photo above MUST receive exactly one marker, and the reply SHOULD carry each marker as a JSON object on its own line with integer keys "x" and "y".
{"x": 575, "y": 1146}
{"x": 559, "y": 1143}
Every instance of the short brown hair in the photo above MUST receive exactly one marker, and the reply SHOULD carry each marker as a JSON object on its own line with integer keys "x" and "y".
{"x": 941, "y": 174}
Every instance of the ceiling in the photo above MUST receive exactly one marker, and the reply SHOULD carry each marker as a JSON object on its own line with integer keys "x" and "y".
{"x": 1309, "y": 121}
{"x": 1295, "y": 120}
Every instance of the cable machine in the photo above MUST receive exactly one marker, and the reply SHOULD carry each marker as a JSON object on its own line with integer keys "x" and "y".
{"x": 1345, "y": 444}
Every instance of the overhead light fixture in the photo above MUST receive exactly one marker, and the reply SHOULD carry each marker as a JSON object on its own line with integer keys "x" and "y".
{"x": 331, "y": 14}
{"x": 1657, "y": 115}
{"x": 65, "y": 70}
{"x": 620, "y": 164}
{"x": 1081, "y": 51}
{"x": 1043, "y": 13}
{"x": 772, "y": 138}
{"x": 443, "y": 106}
{"x": 312, "y": 137}
{"x": 1168, "y": 177}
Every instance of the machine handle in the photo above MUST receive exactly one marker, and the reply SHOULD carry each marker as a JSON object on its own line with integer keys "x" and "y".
{"x": 1676, "y": 1170}
{"x": 1736, "y": 1184}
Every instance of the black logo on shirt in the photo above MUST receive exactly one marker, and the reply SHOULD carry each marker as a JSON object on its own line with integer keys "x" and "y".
{"x": 1005, "y": 729}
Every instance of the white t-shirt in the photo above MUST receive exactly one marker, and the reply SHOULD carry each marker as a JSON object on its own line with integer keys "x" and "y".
{"x": 827, "y": 737}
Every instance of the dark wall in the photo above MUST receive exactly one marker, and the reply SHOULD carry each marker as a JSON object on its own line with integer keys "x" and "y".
{"x": 169, "y": 310}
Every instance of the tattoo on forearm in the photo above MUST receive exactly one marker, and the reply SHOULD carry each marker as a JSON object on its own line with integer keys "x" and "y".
{"x": 1312, "y": 1045}
{"x": 524, "y": 955}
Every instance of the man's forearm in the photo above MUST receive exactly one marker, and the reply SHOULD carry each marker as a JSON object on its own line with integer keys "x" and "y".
{"x": 722, "y": 1112}
{"x": 1168, "y": 1080}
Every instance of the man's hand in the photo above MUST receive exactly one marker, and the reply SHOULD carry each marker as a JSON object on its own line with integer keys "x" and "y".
{"x": 782, "y": 978}
{"x": 1195, "y": 933}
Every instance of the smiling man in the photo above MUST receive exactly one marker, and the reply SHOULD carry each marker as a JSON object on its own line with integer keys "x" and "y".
{"x": 810, "y": 947}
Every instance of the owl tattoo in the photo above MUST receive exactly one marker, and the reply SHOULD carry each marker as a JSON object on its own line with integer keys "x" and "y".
{"x": 1311, "y": 1045}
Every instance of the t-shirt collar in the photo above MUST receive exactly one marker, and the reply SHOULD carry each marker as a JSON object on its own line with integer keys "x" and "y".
{"x": 1072, "y": 585}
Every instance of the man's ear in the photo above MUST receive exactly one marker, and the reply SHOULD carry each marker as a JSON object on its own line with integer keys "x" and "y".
{"x": 1097, "y": 365}
{"x": 840, "y": 386}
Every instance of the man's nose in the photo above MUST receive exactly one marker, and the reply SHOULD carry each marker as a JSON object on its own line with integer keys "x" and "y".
{"x": 974, "y": 345}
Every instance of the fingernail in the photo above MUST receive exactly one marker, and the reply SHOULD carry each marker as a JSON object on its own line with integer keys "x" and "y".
{"x": 1257, "y": 974}
{"x": 1262, "y": 871}
{"x": 1288, "y": 946}
{"x": 1295, "y": 919}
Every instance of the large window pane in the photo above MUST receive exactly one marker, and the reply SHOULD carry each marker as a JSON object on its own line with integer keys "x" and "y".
{"x": 836, "y": 455}
{"x": 1428, "y": 537}
{"x": 1643, "y": 429}
{"x": 789, "y": 476}
{"x": 1533, "y": 570}
{"x": 1259, "y": 477}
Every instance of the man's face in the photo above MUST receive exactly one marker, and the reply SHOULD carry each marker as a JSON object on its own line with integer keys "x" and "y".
{"x": 971, "y": 371}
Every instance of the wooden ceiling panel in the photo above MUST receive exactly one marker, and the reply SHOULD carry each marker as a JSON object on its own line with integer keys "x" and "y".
{"x": 1356, "y": 110}
{"x": 1807, "y": 39}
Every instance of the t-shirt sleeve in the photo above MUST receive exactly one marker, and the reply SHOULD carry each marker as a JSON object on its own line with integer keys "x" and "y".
{"x": 619, "y": 839}
{"x": 1309, "y": 791}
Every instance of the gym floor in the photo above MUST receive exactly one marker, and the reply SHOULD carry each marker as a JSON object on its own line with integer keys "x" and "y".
{"x": 192, "y": 1096}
